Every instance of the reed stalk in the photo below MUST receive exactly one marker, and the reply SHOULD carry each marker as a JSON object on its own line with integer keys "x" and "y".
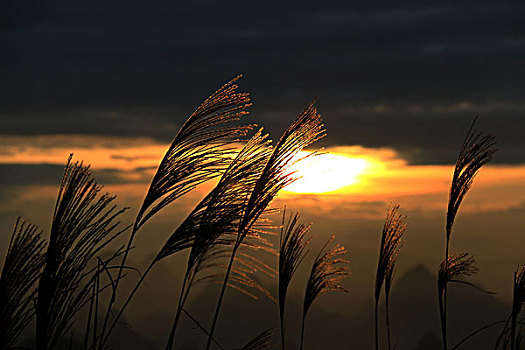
{"x": 390, "y": 246}
{"x": 328, "y": 271}
{"x": 477, "y": 150}
{"x": 200, "y": 151}
{"x": 292, "y": 245}
{"x": 305, "y": 130}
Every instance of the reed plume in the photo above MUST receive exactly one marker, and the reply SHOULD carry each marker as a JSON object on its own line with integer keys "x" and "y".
{"x": 306, "y": 129}
{"x": 477, "y": 150}
{"x": 218, "y": 214}
{"x": 213, "y": 264}
{"x": 292, "y": 244}
{"x": 457, "y": 265}
{"x": 326, "y": 275}
{"x": 216, "y": 217}
{"x": 21, "y": 270}
{"x": 200, "y": 151}
{"x": 84, "y": 223}
{"x": 391, "y": 243}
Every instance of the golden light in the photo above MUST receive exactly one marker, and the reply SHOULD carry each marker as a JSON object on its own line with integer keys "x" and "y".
{"x": 325, "y": 173}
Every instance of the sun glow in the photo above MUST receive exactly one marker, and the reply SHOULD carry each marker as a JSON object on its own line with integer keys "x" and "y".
{"x": 325, "y": 173}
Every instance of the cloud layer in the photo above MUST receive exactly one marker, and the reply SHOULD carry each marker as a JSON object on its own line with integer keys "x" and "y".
{"x": 409, "y": 75}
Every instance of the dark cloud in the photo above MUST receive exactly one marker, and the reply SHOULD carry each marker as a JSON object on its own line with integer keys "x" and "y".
{"x": 30, "y": 174}
{"x": 139, "y": 68}
{"x": 20, "y": 175}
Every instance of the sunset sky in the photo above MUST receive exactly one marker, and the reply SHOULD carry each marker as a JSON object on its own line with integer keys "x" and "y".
{"x": 398, "y": 84}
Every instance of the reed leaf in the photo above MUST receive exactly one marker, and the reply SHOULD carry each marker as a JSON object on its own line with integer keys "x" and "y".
{"x": 21, "y": 270}
{"x": 328, "y": 271}
{"x": 84, "y": 223}
{"x": 293, "y": 241}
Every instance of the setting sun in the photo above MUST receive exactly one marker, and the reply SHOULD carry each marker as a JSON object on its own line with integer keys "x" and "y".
{"x": 326, "y": 173}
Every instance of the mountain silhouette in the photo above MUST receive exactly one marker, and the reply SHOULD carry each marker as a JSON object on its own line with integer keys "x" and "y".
{"x": 414, "y": 319}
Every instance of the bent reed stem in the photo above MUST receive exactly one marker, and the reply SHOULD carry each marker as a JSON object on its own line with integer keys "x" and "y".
{"x": 182, "y": 300}
{"x": 121, "y": 311}
{"x": 221, "y": 296}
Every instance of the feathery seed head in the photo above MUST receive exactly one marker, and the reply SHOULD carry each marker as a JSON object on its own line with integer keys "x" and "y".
{"x": 306, "y": 129}
{"x": 293, "y": 241}
{"x": 328, "y": 271}
{"x": 458, "y": 264}
{"x": 391, "y": 244}
{"x": 20, "y": 272}
{"x": 476, "y": 151}
{"x": 200, "y": 151}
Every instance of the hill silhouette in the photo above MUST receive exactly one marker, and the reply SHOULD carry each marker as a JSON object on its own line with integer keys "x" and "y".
{"x": 415, "y": 319}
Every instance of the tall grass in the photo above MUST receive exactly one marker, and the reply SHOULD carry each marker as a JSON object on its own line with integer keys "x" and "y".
{"x": 75, "y": 268}
{"x": 84, "y": 223}
{"x": 477, "y": 150}
{"x": 200, "y": 151}
{"x": 292, "y": 245}
{"x": 391, "y": 243}
{"x": 215, "y": 219}
{"x": 328, "y": 271}
{"x": 305, "y": 130}
{"x": 21, "y": 270}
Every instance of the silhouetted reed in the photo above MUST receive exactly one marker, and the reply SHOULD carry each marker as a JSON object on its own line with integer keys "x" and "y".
{"x": 391, "y": 243}
{"x": 200, "y": 151}
{"x": 221, "y": 233}
{"x": 292, "y": 244}
{"x": 216, "y": 217}
{"x": 476, "y": 151}
{"x": 84, "y": 223}
{"x": 326, "y": 275}
{"x": 21, "y": 270}
{"x": 214, "y": 220}
{"x": 458, "y": 265}
{"x": 305, "y": 130}
{"x": 508, "y": 335}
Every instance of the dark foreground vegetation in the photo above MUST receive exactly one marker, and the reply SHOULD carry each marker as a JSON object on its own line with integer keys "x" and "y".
{"x": 71, "y": 276}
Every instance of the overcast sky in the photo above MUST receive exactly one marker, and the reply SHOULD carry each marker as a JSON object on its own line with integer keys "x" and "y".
{"x": 406, "y": 74}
